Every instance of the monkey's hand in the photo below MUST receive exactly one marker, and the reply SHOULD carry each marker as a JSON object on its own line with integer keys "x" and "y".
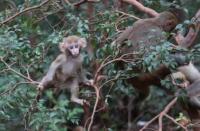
{"x": 40, "y": 87}
{"x": 89, "y": 82}
{"x": 85, "y": 102}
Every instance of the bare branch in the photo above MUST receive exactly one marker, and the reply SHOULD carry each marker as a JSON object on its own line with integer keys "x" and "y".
{"x": 162, "y": 114}
{"x": 23, "y": 11}
{"x": 84, "y": 1}
{"x": 142, "y": 8}
{"x": 95, "y": 107}
{"x": 129, "y": 15}
{"x": 189, "y": 39}
{"x": 18, "y": 73}
{"x": 13, "y": 88}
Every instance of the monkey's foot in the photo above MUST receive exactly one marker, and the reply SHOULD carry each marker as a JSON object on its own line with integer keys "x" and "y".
{"x": 85, "y": 102}
{"x": 40, "y": 87}
{"x": 90, "y": 82}
{"x": 80, "y": 101}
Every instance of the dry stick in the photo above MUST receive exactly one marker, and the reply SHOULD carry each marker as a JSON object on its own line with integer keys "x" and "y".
{"x": 172, "y": 119}
{"x": 18, "y": 73}
{"x": 23, "y": 11}
{"x": 95, "y": 107}
{"x": 167, "y": 108}
{"x": 191, "y": 36}
{"x": 164, "y": 113}
{"x": 160, "y": 121}
{"x": 79, "y": 3}
{"x": 121, "y": 18}
{"x": 97, "y": 94}
{"x": 148, "y": 123}
{"x": 129, "y": 15}
{"x": 13, "y": 88}
{"x": 142, "y": 8}
{"x": 84, "y": 1}
{"x": 103, "y": 64}
{"x": 99, "y": 69}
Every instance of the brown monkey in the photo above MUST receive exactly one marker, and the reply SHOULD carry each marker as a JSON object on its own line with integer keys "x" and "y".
{"x": 150, "y": 31}
{"x": 66, "y": 70}
{"x": 8, "y": 4}
{"x": 192, "y": 74}
{"x": 143, "y": 34}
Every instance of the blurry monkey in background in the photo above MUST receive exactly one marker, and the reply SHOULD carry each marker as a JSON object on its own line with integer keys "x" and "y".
{"x": 143, "y": 34}
{"x": 148, "y": 32}
{"x": 191, "y": 75}
{"x": 66, "y": 70}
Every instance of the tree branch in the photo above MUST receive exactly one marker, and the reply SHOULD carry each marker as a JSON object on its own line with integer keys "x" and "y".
{"x": 142, "y": 8}
{"x": 129, "y": 15}
{"x": 18, "y": 73}
{"x": 23, "y": 11}
{"x": 162, "y": 114}
{"x": 192, "y": 34}
{"x": 84, "y": 1}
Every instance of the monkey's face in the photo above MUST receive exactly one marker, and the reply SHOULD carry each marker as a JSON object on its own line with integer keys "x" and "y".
{"x": 170, "y": 25}
{"x": 74, "y": 49}
{"x": 167, "y": 20}
{"x": 72, "y": 45}
{"x": 180, "y": 59}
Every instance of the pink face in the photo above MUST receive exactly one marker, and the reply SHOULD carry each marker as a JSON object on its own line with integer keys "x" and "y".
{"x": 73, "y": 44}
{"x": 74, "y": 49}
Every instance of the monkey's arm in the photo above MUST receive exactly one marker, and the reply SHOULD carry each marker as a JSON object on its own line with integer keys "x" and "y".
{"x": 83, "y": 78}
{"x": 194, "y": 89}
{"x": 178, "y": 75}
{"x": 123, "y": 36}
{"x": 51, "y": 72}
{"x": 195, "y": 102}
{"x": 193, "y": 92}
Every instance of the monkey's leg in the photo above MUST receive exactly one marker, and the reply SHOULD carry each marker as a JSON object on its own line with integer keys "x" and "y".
{"x": 193, "y": 93}
{"x": 75, "y": 92}
{"x": 178, "y": 75}
{"x": 195, "y": 102}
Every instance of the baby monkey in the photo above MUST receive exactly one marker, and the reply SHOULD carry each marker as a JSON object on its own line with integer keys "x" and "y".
{"x": 66, "y": 70}
{"x": 191, "y": 79}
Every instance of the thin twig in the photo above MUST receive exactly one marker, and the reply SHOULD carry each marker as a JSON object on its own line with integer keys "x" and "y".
{"x": 142, "y": 8}
{"x": 164, "y": 113}
{"x": 173, "y": 120}
{"x": 129, "y": 15}
{"x": 13, "y": 88}
{"x": 18, "y": 73}
{"x": 95, "y": 107}
{"x": 23, "y": 11}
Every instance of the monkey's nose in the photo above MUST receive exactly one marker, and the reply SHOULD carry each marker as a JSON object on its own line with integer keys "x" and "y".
{"x": 75, "y": 53}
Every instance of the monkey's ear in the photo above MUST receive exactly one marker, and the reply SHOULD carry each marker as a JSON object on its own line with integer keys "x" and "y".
{"x": 190, "y": 63}
{"x": 62, "y": 47}
{"x": 82, "y": 42}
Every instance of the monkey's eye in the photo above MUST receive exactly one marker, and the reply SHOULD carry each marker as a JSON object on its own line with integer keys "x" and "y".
{"x": 71, "y": 47}
{"x": 76, "y": 46}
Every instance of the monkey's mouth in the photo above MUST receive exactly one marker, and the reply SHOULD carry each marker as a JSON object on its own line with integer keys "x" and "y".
{"x": 74, "y": 54}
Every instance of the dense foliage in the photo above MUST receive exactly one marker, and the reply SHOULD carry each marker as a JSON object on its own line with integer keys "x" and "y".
{"x": 29, "y": 43}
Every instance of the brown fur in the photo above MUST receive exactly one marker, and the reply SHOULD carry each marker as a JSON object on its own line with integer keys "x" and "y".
{"x": 143, "y": 34}
{"x": 66, "y": 71}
